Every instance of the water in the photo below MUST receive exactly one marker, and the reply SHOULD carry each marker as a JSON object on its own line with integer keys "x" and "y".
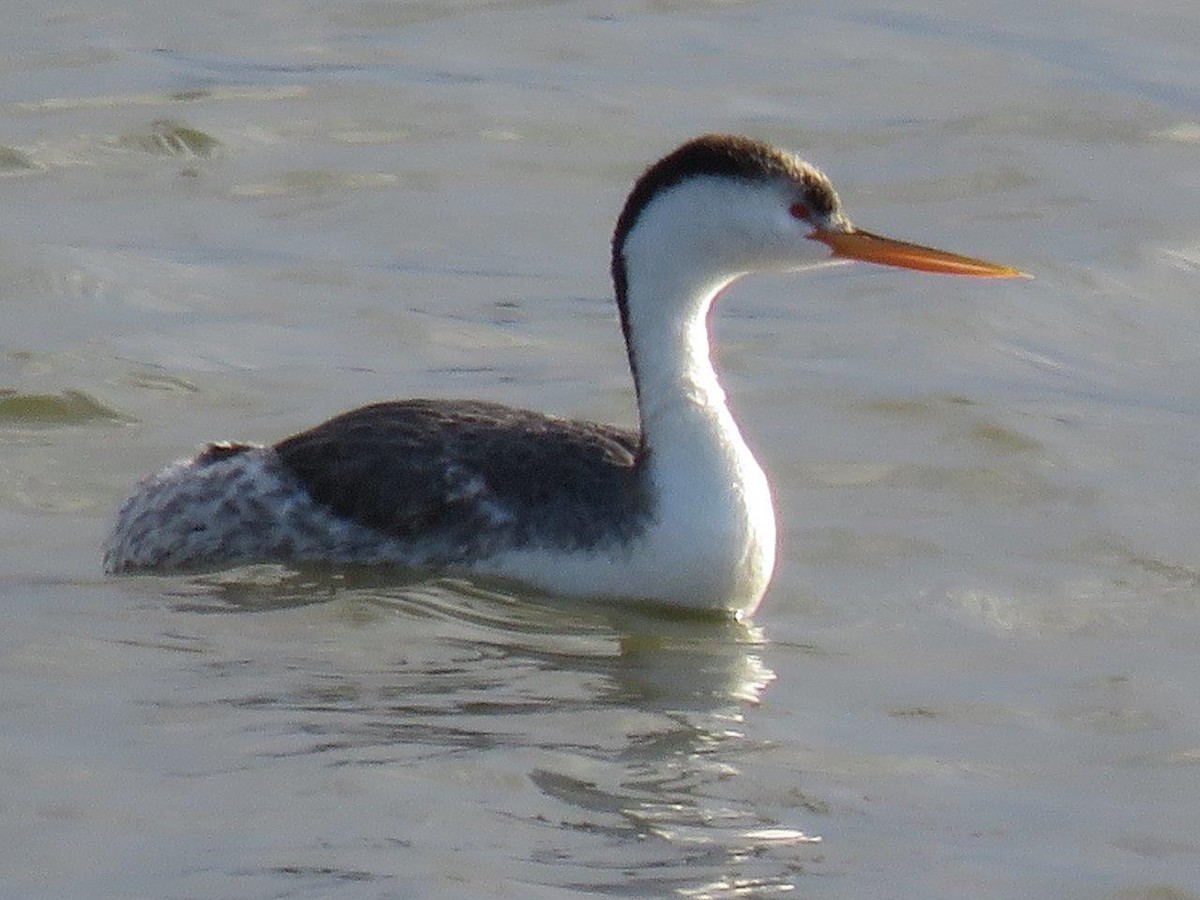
{"x": 975, "y": 672}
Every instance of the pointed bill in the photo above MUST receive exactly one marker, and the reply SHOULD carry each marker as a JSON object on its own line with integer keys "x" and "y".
{"x": 863, "y": 245}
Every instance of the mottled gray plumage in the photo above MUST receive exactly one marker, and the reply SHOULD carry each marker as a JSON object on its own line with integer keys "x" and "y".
{"x": 418, "y": 482}
{"x": 234, "y": 503}
{"x": 467, "y": 475}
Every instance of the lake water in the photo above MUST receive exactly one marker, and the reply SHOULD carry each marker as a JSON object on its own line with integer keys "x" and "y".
{"x": 976, "y": 671}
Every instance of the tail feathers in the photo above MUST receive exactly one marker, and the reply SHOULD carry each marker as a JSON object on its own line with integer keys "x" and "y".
{"x": 183, "y": 515}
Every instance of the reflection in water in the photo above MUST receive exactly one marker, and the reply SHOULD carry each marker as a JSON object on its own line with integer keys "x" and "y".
{"x": 627, "y": 722}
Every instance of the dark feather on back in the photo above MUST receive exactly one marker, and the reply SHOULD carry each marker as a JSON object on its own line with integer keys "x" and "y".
{"x": 473, "y": 477}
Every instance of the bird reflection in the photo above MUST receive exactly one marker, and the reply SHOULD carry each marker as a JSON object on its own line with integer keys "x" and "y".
{"x": 630, "y": 724}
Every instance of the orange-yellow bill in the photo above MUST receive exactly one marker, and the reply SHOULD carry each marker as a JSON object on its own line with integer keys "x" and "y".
{"x": 873, "y": 248}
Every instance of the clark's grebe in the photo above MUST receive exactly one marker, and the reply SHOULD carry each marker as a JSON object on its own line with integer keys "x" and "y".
{"x": 677, "y": 512}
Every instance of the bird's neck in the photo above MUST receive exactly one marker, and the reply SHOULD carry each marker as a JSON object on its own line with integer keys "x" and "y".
{"x": 686, "y": 424}
{"x": 669, "y": 350}
{"x": 711, "y": 496}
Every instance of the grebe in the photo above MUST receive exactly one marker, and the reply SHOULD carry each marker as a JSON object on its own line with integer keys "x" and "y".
{"x": 678, "y": 512}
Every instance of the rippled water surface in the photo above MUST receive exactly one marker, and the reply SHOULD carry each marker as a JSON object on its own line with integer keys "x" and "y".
{"x": 975, "y": 674}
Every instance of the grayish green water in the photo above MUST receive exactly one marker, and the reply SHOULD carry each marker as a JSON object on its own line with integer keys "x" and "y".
{"x": 975, "y": 674}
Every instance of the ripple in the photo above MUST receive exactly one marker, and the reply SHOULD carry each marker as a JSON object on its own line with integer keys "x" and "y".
{"x": 43, "y": 410}
{"x": 167, "y": 137}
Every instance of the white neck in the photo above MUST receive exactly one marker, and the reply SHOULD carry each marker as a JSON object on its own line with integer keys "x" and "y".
{"x": 712, "y": 499}
{"x": 669, "y": 346}
{"x": 686, "y": 424}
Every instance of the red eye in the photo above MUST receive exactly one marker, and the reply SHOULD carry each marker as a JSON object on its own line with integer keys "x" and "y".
{"x": 799, "y": 211}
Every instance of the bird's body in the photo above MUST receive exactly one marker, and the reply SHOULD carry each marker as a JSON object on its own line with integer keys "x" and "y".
{"x": 678, "y": 512}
